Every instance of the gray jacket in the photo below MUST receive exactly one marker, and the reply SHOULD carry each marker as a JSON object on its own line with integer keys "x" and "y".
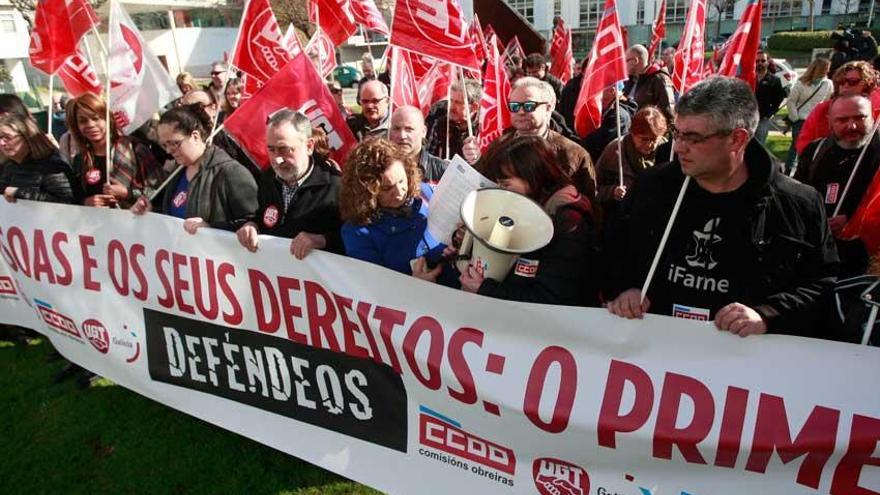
{"x": 221, "y": 191}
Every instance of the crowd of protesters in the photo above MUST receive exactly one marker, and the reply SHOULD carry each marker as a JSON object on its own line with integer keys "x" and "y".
{"x": 751, "y": 249}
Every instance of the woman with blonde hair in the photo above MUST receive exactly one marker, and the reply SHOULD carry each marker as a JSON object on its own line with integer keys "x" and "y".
{"x": 34, "y": 170}
{"x": 185, "y": 82}
{"x": 231, "y": 97}
{"x": 809, "y": 90}
{"x": 134, "y": 172}
{"x": 385, "y": 209}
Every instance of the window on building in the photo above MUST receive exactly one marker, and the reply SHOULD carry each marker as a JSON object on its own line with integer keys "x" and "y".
{"x": 640, "y": 12}
{"x": 7, "y": 23}
{"x": 557, "y": 7}
{"x": 676, "y": 10}
{"x": 526, "y": 8}
{"x": 591, "y": 12}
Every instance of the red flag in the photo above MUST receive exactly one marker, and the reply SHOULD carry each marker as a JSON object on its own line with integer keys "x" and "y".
{"x": 688, "y": 58}
{"x": 494, "y": 116}
{"x": 52, "y": 40}
{"x": 434, "y": 85}
{"x": 742, "y": 47}
{"x": 261, "y": 50}
{"x": 865, "y": 222}
{"x": 421, "y": 64}
{"x": 321, "y": 47}
{"x": 404, "y": 89}
{"x": 297, "y": 86}
{"x": 476, "y": 33}
{"x": 561, "y": 55}
{"x": 658, "y": 31}
{"x": 606, "y": 67}
{"x": 336, "y": 18}
{"x": 366, "y": 13}
{"x": 435, "y": 28}
{"x": 82, "y": 18}
{"x": 78, "y": 76}
{"x": 514, "y": 48}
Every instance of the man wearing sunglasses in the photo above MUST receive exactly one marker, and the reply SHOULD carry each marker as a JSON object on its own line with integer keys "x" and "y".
{"x": 218, "y": 79}
{"x": 374, "y": 117}
{"x": 530, "y": 103}
{"x": 749, "y": 250}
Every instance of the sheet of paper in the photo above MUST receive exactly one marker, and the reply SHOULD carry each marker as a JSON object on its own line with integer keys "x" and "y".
{"x": 444, "y": 212}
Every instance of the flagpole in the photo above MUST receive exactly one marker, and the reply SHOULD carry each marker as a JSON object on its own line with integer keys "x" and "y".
{"x": 656, "y": 261}
{"x": 855, "y": 168}
{"x": 619, "y": 138}
{"x": 467, "y": 107}
{"x": 448, "y": 108}
{"x": 684, "y": 69}
{"x": 228, "y": 72}
{"x": 107, "y": 116}
{"x": 51, "y": 104}
{"x": 318, "y": 40}
{"x": 391, "y": 97}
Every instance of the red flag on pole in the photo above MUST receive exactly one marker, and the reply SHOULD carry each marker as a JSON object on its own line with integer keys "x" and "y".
{"x": 261, "y": 50}
{"x": 52, "y": 40}
{"x": 742, "y": 47}
{"x": 82, "y": 18}
{"x": 434, "y": 85}
{"x": 494, "y": 116}
{"x": 435, "y": 28}
{"x": 321, "y": 47}
{"x": 476, "y": 33}
{"x": 606, "y": 67}
{"x": 336, "y": 18}
{"x": 78, "y": 76}
{"x": 297, "y": 86}
{"x": 514, "y": 48}
{"x": 404, "y": 89}
{"x": 688, "y": 58}
{"x": 658, "y": 31}
{"x": 561, "y": 55}
{"x": 865, "y": 222}
{"x": 366, "y": 13}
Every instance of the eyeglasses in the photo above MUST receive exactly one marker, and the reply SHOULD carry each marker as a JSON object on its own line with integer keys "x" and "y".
{"x": 527, "y": 106}
{"x": 217, "y": 72}
{"x": 5, "y": 138}
{"x": 851, "y": 81}
{"x": 693, "y": 138}
{"x": 171, "y": 146}
{"x": 373, "y": 101}
{"x": 279, "y": 150}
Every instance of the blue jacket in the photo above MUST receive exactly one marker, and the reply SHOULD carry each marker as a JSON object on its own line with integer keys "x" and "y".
{"x": 391, "y": 240}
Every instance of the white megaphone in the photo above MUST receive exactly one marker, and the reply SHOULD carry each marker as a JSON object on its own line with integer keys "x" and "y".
{"x": 505, "y": 225}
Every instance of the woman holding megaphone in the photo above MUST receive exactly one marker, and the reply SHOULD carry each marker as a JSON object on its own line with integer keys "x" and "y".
{"x": 562, "y": 272}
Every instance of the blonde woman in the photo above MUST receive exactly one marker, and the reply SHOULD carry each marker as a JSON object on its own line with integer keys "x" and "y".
{"x": 809, "y": 90}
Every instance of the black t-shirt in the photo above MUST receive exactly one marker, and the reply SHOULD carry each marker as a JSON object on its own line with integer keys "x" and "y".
{"x": 702, "y": 269}
{"x": 832, "y": 173}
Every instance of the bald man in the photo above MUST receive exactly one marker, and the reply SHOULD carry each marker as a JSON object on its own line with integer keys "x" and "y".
{"x": 374, "y": 116}
{"x": 408, "y": 132}
{"x": 648, "y": 83}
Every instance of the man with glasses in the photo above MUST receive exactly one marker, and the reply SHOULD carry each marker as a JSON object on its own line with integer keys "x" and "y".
{"x": 769, "y": 93}
{"x": 219, "y": 71}
{"x": 531, "y": 103}
{"x": 648, "y": 83}
{"x": 827, "y": 163}
{"x": 298, "y": 195}
{"x": 749, "y": 249}
{"x": 374, "y": 116}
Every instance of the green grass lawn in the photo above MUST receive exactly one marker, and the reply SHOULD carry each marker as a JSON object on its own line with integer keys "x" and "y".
{"x": 107, "y": 439}
{"x": 778, "y": 144}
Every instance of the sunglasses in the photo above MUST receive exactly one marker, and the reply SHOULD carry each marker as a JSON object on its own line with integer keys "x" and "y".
{"x": 851, "y": 82}
{"x": 527, "y": 106}
{"x": 217, "y": 73}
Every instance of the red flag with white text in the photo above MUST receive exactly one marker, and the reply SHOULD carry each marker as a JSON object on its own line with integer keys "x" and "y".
{"x": 494, "y": 116}
{"x": 321, "y": 47}
{"x": 367, "y": 14}
{"x": 435, "y": 28}
{"x": 658, "y": 31}
{"x": 404, "y": 88}
{"x": 742, "y": 47}
{"x": 52, "y": 40}
{"x": 688, "y": 60}
{"x": 434, "y": 85}
{"x": 297, "y": 86}
{"x": 606, "y": 67}
{"x": 261, "y": 50}
{"x": 336, "y": 17}
{"x": 82, "y": 18}
{"x": 514, "y": 48}
{"x": 561, "y": 55}
{"x": 476, "y": 33}
{"x": 78, "y": 76}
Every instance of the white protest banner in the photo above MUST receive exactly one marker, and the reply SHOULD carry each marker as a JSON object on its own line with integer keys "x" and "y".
{"x": 414, "y": 388}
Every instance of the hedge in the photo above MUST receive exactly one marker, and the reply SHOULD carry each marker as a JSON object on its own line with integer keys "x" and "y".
{"x": 804, "y": 40}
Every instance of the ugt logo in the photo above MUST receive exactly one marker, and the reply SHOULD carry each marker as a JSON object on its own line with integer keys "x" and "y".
{"x": 444, "y": 15}
{"x": 556, "y": 477}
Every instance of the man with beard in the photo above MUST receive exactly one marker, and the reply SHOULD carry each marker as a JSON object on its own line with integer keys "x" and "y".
{"x": 298, "y": 195}
{"x": 451, "y": 118}
{"x": 408, "y": 133}
{"x": 827, "y": 163}
{"x": 374, "y": 116}
{"x": 769, "y": 93}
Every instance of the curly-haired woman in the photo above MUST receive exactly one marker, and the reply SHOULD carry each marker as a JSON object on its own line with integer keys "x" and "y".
{"x": 385, "y": 209}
